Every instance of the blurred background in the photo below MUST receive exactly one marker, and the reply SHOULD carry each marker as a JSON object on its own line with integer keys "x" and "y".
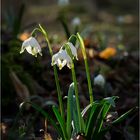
{"x": 110, "y": 32}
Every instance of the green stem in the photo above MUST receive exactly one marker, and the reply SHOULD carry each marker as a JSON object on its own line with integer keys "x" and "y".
{"x": 86, "y": 66}
{"x": 89, "y": 81}
{"x": 33, "y": 32}
{"x": 76, "y": 94}
{"x": 55, "y": 74}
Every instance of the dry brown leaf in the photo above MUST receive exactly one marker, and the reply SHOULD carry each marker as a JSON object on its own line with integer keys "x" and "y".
{"x": 107, "y": 53}
{"x": 24, "y": 36}
{"x": 21, "y": 89}
{"x": 48, "y": 137}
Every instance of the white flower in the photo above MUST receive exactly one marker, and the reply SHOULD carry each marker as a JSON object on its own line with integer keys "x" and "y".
{"x": 99, "y": 80}
{"x": 76, "y": 21}
{"x": 120, "y": 19}
{"x": 73, "y": 50}
{"x": 61, "y": 59}
{"x": 63, "y": 2}
{"x": 32, "y": 46}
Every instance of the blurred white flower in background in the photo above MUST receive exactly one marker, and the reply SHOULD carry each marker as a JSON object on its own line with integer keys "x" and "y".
{"x": 32, "y": 46}
{"x": 63, "y": 2}
{"x": 120, "y": 19}
{"x": 99, "y": 80}
{"x": 76, "y": 21}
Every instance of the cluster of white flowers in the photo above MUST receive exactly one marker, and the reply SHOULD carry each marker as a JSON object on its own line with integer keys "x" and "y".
{"x": 60, "y": 59}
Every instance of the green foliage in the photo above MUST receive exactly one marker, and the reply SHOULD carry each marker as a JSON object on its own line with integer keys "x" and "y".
{"x": 46, "y": 115}
{"x": 89, "y": 122}
{"x": 64, "y": 23}
{"x": 61, "y": 122}
{"x": 97, "y": 115}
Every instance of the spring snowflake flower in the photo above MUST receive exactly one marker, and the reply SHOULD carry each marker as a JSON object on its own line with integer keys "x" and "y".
{"x": 73, "y": 50}
{"x": 61, "y": 59}
{"x": 99, "y": 80}
{"x": 32, "y": 46}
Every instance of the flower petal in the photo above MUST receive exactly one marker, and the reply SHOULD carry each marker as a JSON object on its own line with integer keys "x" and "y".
{"x": 73, "y": 49}
{"x": 61, "y": 59}
{"x": 32, "y": 46}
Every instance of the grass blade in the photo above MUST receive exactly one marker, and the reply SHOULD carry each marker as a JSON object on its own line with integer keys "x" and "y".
{"x": 69, "y": 109}
{"x": 107, "y": 103}
{"x": 46, "y": 115}
{"x": 61, "y": 122}
{"x": 92, "y": 119}
{"x": 63, "y": 21}
{"x": 122, "y": 117}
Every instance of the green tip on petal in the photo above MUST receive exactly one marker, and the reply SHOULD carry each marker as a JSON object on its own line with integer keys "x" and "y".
{"x": 40, "y": 53}
{"x": 21, "y": 51}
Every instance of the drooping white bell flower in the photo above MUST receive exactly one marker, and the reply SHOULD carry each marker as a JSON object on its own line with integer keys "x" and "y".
{"x": 73, "y": 50}
{"x": 61, "y": 59}
{"x": 32, "y": 46}
{"x": 99, "y": 80}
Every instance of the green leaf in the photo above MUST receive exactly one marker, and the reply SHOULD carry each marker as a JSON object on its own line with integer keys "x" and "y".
{"x": 118, "y": 120}
{"x": 64, "y": 23}
{"x": 91, "y": 124}
{"x": 100, "y": 120}
{"x": 102, "y": 133}
{"x": 76, "y": 120}
{"x": 98, "y": 112}
{"x": 107, "y": 103}
{"x": 18, "y": 19}
{"x": 69, "y": 109}
{"x": 45, "y": 114}
{"x": 61, "y": 122}
{"x": 110, "y": 100}
{"x": 122, "y": 117}
{"x": 86, "y": 109}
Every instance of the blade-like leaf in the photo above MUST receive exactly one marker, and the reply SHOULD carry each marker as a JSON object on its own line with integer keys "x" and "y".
{"x": 102, "y": 133}
{"x": 100, "y": 120}
{"x": 18, "y": 19}
{"x": 75, "y": 120}
{"x": 61, "y": 122}
{"x": 86, "y": 109}
{"x": 92, "y": 119}
{"x": 122, "y": 117}
{"x": 107, "y": 102}
{"x": 69, "y": 109}
{"x": 98, "y": 113}
{"x": 118, "y": 120}
{"x": 45, "y": 114}
{"x": 110, "y": 100}
{"x": 64, "y": 23}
